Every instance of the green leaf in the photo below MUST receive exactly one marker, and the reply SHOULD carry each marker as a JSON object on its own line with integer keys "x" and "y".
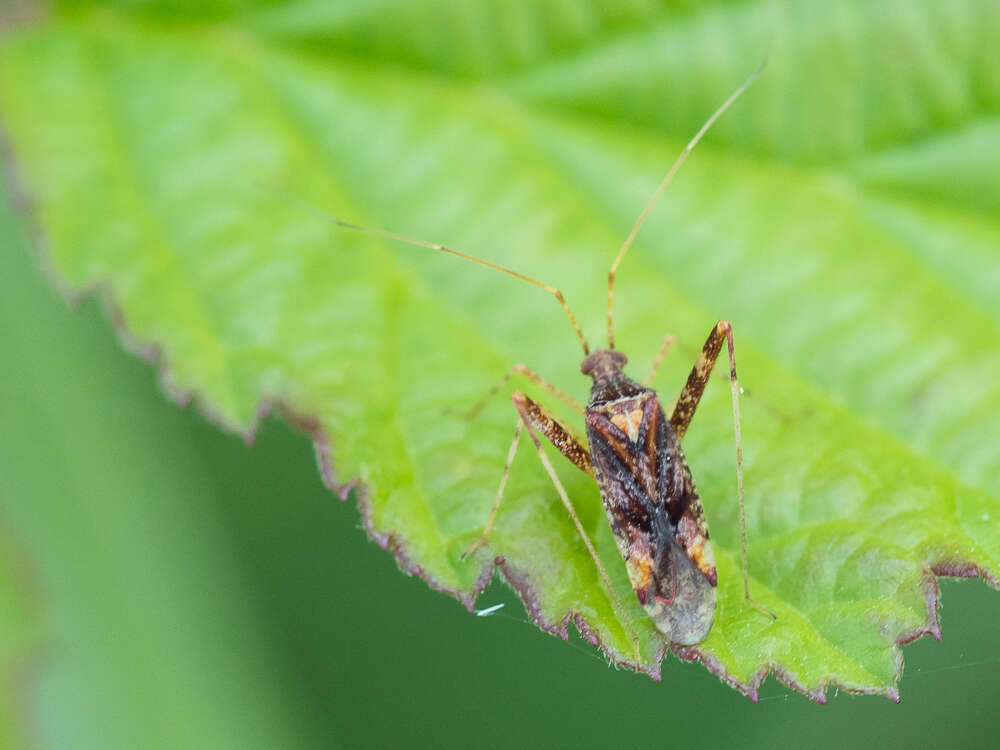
{"x": 841, "y": 215}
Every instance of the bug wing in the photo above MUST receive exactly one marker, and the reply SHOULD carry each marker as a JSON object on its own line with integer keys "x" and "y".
{"x": 682, "y": 599}
{"x": 656, "y": 516}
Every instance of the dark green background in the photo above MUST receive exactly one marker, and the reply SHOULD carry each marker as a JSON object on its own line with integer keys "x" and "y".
{"x": 189, "y": 590}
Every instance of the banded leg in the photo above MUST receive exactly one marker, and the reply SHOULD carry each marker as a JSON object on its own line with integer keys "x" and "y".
{"x": 535, "y": 378}
{"x": 684, "y": 410}
{"x": 525, "y": 408}
{"x": 687, "y": 402}
{"x": 561, "y": 436}
{"x": 669, "y": 342}
{"x": 536, "y": 418}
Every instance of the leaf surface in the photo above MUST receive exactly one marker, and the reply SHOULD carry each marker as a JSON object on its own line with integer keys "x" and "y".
{"x": 841, "y": 216}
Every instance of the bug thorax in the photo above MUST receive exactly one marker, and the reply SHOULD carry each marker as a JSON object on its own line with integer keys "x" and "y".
{"x": 610, "y": 381}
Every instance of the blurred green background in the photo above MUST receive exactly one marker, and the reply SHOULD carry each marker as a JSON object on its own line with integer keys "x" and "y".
{"x": 167, "y": 586}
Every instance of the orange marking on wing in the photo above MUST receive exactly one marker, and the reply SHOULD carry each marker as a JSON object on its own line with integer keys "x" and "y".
{"x": 700, "y": 551}
{"x": 620, "y": 421}
{"x": 629, "y": 423}
{"x": 640, "y": 572}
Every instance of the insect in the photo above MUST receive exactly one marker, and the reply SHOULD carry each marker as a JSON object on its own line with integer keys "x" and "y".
{"x": 633, "y": 452}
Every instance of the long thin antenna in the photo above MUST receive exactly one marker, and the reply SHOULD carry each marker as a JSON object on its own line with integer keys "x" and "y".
{"x": 659, "y": 191}
{"x": 434, "y": 246}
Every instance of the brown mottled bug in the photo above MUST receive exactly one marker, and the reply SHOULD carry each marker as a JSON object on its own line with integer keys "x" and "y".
{"x": 634, "y": 455}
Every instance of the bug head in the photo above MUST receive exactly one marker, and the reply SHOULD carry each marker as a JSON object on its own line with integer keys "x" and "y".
{"x": 603, "y": 363}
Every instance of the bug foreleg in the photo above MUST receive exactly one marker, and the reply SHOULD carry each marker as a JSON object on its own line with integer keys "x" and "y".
{"x": 540, "y": 419}
{"x": 550, "y": 470}
{"x": 543, "y": 420}
{"x": 684, "y": 410}
{"x": 537, "y": 419}
{"x": 687, "y": 402}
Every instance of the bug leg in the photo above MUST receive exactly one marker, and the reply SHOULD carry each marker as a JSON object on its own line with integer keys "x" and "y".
{"x": 531, "y": 375}
{"x": 561, "y": 436}
{"x": 533, "y": 416}
{"x": 536, "y": 418}
{"x": 668, "y": 342}
{"x": 684, "y": 410}
{"x": 687, "y": 402}
{"x": 540, "y": 419}
{"x": 503, "y": 483}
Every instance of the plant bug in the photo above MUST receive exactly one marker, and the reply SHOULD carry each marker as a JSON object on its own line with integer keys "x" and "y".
{"x": 633, "y": 452}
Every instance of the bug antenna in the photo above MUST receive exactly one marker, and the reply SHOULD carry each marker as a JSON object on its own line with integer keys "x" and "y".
{"x": 663, "y": 185}
{"x": 434, "y": 246}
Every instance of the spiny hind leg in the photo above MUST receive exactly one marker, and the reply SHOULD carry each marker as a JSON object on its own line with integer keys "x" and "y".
{"x": 684, "y": 411}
